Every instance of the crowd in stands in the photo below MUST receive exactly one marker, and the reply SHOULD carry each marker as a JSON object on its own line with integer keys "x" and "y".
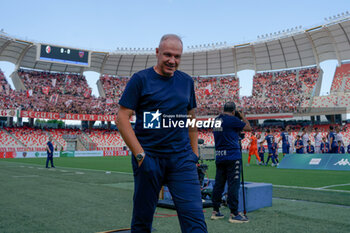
{"x": 213, "y": 92}
{"x": 341, "y": 76}
{"x": 57, "y": 92}
{"x": 35, "y": 139}
{"x": 280, "y": 92}
{"x": 113, "y": 86}
{"x": 105, "y": 139}
{"x": 273, "y": 92}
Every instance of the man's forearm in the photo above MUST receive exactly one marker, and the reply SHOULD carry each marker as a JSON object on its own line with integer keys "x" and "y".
{"x": 193, "y": 133}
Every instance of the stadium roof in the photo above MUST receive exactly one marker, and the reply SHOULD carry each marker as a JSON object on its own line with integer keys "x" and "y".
{"x": 305, "y": 48}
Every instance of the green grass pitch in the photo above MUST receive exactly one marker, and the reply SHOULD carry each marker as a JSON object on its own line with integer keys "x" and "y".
{"x": 79, "y": 196}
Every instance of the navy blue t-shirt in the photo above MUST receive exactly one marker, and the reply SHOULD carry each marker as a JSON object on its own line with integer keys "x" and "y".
{"x": 299, "y": 143}
{"x": 50, "y": 147}
{"x": 269, "y": 139}
{"x": 333, "y": 136}
{"x": 147, "y": 92}
{"x": 284, "y": 136}
{"x": 227, "y": 138}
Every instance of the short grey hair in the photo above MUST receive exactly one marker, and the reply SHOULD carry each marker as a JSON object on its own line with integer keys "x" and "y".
{"x": 170, "y": 36}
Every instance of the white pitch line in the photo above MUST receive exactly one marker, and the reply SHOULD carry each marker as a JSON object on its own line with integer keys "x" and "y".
{"x": 309, "y": 188}
{"x": 27, "y": 176}
{"x": 73, "y": 168}
{"x": 334, "y": 185}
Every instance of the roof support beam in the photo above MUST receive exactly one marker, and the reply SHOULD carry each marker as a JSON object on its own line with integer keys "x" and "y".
{"x": 234, "y": 60}
{"x": 104, "y": 63}
{"x": 220, "y": 61}
{"x": 268, "y": 54}
{"x": 132, "y": 65}
{"x": 296, "y": 47}
{"x": 146, "y": 63}
{"x": 3, "y": 47}
{"x": 284, "y": 56}
{"x": 192, "y": 64}
{"x": 346, "y": 35}
{"x": 254, "y": 56}
{"x": 21, "y": 56}
{"x": 116, "y": 71}
{"x": 331, "y": 37}
{"x": 314, "y": 50}
{"x": 206, "y": 62}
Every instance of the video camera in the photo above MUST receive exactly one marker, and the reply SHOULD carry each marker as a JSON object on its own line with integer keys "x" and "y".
{"x": 238, "y": 115}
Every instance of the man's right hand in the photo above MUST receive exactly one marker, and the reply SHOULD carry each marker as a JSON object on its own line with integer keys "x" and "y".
{"x": 140, "y": 162}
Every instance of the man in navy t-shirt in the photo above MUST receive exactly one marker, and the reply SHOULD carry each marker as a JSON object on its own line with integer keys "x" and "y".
{"x": 261, "y": 151}
{"x": 228, "y": 161}
{"x": 333, "y": 145}
{"x": 164, "y": 152}
{"x": 49, "y": 150}
{"x": 310, "y": 149}
{"x": 269, "y": 139}
{"x": 285, "y": 143}
{"x": 299, "y": 146}
{"x": 324, "y": 146}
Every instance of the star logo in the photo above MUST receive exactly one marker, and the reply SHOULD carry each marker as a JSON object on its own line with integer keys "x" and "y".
{"x": 151, "y": 120}
{"x": 156, "y": 115}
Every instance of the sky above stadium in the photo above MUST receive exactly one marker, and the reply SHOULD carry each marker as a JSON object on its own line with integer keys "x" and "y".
{"x": 106, "y": 25}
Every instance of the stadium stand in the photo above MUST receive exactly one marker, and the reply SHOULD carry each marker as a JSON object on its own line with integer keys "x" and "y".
{"x": 281, "y": 92}
{"x": 213, "y": 92}
{"x": 105, "y": 139}
{"x": 57, "y": 135}
{"x": 113, "y": 86}
{"x": 324, "y": 101}
{"x": 33, "y": 139}
{"x": 61, "y": 92}
{"x": 7, "y": 141}
{"x": 343, "y": 101}
{"x": 341, "y": 80}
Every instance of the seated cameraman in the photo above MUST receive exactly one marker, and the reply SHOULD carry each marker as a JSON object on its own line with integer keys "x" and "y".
{"x": 229, "y": 160}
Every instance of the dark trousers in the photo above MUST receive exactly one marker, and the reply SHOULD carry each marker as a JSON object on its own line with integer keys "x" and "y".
{"x": 229, "y": 171}
{"x": 272, "y": 157}
{"x": 49, "y": 158}
{"x": 179, "y": 172}
{"x": 262, "y": 158}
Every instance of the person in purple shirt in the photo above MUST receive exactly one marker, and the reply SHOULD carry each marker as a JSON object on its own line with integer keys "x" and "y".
{"x": 269, "y": 139}
{"x": 348, "y": 149}
{"x": 261, "y": 151}
{"x": 324, "y": 146}
{"x": 161, "y": 154}
{"x": 299, "y": 145}
{"x": 340, "y": 148}
{"x": 310, "y": 149}
{"x": 333, "y": 145}
{"x": 274, "y": 155}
